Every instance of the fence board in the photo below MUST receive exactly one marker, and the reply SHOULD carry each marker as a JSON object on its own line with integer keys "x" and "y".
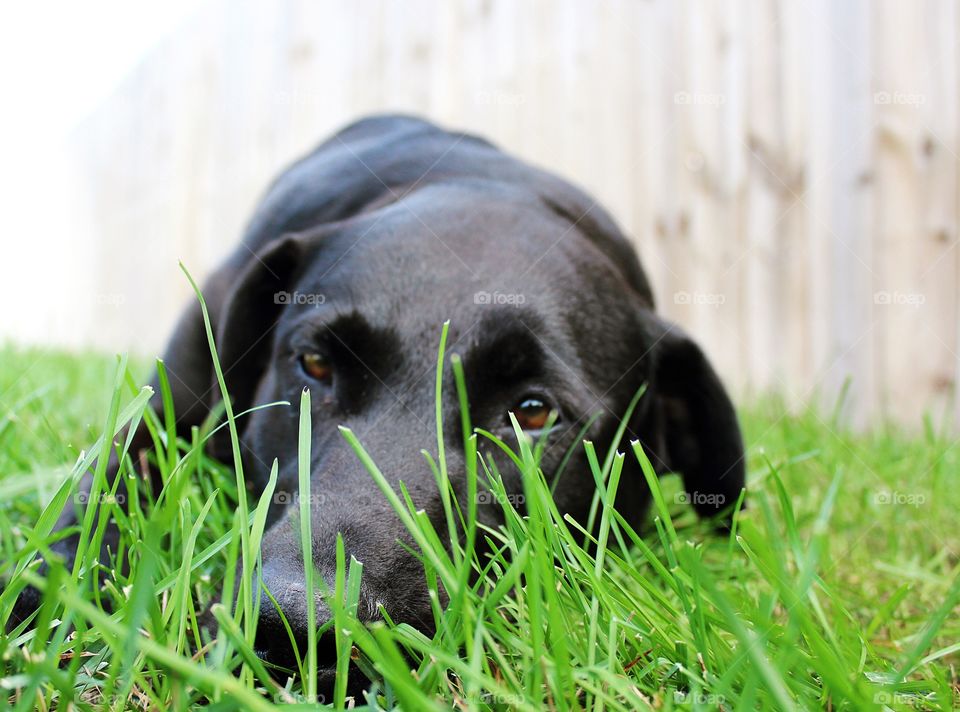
{"x": 745, "y": 146}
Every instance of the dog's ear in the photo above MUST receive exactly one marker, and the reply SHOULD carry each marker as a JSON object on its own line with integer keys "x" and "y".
{"x": 245, "y": 333}
{"x": 699, "y": 436}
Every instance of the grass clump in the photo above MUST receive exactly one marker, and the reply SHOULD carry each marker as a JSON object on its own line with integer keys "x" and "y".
{"x": 838, "y": 588}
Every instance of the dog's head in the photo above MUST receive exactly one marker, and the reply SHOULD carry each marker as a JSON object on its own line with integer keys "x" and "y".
{"x": 549, "y": 311}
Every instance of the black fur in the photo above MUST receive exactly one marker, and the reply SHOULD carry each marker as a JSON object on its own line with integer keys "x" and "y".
{"x": 400, "y": 225}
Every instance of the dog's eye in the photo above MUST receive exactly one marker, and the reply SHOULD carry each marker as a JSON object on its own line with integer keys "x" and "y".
{"x": 317, "y": 367}
{"x": 532, "y": 413}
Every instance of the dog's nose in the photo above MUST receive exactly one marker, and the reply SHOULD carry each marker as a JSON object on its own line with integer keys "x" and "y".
{"x": 278, "y": 635}
{"x": 274, "y": 644}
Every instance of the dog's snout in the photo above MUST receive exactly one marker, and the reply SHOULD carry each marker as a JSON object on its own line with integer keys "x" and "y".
{"x": 344, "y": 510}
{"x": 283, "y": 622}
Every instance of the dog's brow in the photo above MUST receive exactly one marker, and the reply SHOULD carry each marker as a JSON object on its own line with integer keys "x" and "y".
{"x": 307, "y": 324}
{"x": 317, "y": 325}
{"x": 345, "y": 325}
{"x": 351, "y": 341}
{"x": 504, "y": 346}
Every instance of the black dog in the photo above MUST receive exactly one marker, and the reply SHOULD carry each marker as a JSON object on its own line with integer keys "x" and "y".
{"x": 356, "y": 256}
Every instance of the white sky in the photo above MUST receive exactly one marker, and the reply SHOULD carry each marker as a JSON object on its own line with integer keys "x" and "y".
{"x": 58, "y": 60}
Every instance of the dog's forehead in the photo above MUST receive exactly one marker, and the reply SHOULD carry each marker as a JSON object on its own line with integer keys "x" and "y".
{"x": 445, "y": 255}
{"x": 488, "y": 264}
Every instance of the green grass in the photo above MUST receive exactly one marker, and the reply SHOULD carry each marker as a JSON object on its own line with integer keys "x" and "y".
{"x": 838, "y": 588}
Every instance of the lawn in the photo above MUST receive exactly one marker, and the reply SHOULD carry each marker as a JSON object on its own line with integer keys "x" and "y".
{"x": 838, "y": 587}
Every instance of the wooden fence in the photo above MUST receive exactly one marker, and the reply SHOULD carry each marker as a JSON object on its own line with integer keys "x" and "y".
{"x": 788, "y": 169}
